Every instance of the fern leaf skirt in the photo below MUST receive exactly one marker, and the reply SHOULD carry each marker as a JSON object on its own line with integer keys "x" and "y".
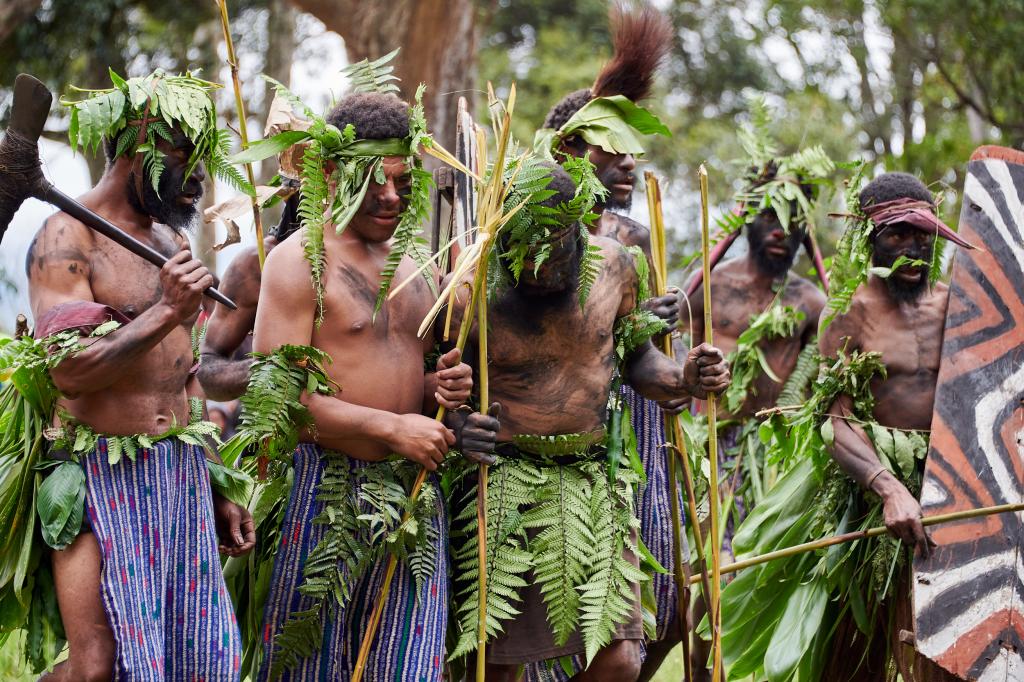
{"x": 161, "y": 583}
{"x": 410, "y": 642}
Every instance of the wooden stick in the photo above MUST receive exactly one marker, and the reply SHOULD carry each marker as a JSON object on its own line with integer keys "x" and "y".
{"x": 242, "y": 129}
{"x": 862, "y": 535}
{"x": 674, "y": 435}
{"x": 716, "y": 586}
{"x": 481, "y": 490}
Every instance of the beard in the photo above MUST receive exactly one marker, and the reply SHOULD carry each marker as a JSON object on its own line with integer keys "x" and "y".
{"x": 900, "y": 289}
{"x": 613, "y": 204}
{"x": 771, "y": 265}
{"x": 162, "y": 204}
{"x": 611, "y": 177}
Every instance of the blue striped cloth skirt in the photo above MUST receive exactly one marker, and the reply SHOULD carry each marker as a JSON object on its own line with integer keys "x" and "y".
{"x": 410, "y": 641}
{"x": 161, "y": 583}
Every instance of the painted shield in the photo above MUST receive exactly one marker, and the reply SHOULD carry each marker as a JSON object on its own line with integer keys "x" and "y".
{"x": 969, "y": 615}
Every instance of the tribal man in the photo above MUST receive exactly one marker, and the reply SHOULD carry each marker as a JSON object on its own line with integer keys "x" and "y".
{"x": 140, "y": 589}
{"x": 765, "y": 313}
{"x": 224, "y": 354}
{"x": 641, "y": 42}
{"x": 343, "y": 467}
{"x": 554, "y": 337}
{"x": 901, "y": 317}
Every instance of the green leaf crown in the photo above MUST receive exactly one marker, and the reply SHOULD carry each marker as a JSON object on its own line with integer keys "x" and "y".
{"x": 357, "y": 161}
{"x": 534, "y": 230}
{"x": 137, "y": 113}
{"x": 775, "y": 182}
{"x": 615, "y": 124}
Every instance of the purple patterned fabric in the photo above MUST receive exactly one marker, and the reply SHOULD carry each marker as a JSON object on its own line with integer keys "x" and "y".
{"x": 161, "y": 583}
{"x": 410, "y": 642}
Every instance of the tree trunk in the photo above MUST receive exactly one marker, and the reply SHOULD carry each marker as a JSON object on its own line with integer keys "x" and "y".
{"x": 13, "y": 12}
{"x": 438, "y": 41}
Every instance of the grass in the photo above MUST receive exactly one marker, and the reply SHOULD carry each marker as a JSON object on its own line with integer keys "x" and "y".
{"x": 12, "y": 671}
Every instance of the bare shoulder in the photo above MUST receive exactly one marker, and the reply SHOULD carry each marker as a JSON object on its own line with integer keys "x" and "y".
{"x": 286, "y": 269}
{"x": 242, "y": 276}
{"x": 61, "y": 238}
{"x": 805, "y": 293}
{"x": 631, "y": 233}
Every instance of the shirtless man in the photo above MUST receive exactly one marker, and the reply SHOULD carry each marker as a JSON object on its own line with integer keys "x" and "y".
{"x": 545, "y": 351}
{"x": 379, "y": 411}
{"x": 641, "y": 41}
{"x": 901, "y": 317}
{"x": 224, "y": 361}
{"x": 127, "y": 583}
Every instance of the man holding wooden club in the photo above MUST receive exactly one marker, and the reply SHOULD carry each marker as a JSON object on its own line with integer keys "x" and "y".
{"x": 145, "y": 563}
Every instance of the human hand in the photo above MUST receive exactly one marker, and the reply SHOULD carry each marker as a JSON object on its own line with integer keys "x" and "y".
{"x": 477, "y": 433}
{"x": 673, "y": 407}
{"x": 706, "y": 371}
{"x": 454, "y": 380}
{"x": 665, "y": 307}
{"x": 902, "y": 515}
{"x": 421, "y": 439}
{"x": 235, "y": 530}
{"x": 182, "y": 282}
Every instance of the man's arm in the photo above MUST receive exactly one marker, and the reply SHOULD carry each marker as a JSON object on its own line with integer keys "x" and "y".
{"x": 656, "y": 377}
{"x": 285, "y": 315}
{"x": 855, "y": 455}
{"x": 222, "y": 376}
{"x": 59, "y": 273}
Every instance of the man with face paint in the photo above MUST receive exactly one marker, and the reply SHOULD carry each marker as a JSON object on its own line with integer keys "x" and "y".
{"x": 903, "y": 318}
{"x": 641, "y": 41}
{"x": 547, "y": 349}
{"x": 127, "y": 582}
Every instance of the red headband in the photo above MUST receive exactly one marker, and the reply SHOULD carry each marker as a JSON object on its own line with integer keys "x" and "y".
{"x": 914, "y": 212}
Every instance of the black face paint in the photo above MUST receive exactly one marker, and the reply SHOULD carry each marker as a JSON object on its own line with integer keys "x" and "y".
{"x": 558, "y": 274}
{"x": 760, "y": 237}
{"x": 164, "y": 204}
{"x": 901, "y": 289}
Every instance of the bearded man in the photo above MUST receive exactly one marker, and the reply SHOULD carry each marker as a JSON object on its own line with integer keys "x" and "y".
{"x": 378, "y": 411}
{"x": 902, "y": 317}
{"x": 140, "y": 589}
{"x": 641, "y": 41}
{"x": 224, "y": 354}
{"x": 552, "y": 345}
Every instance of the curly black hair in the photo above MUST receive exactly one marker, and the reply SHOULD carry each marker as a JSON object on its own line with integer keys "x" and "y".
{"x": 889, "y": 186}
{"x": 374, "y": 115}
{"x": 561, "y": 184}
{"x": 569, "y": 105}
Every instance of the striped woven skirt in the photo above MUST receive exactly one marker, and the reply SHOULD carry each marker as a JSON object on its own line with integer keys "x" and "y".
{"x": 653, "y": 508}
{"x": 410, "y": 641}
{"x": 161, "y": 583}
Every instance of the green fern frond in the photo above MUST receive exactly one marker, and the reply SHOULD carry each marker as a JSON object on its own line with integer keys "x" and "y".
{"x": 375, "y": 76}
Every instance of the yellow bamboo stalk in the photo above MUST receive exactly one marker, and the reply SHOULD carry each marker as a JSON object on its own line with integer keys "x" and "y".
{"x": 677, "y": 446}
{"x": 823, "y": 543}
{"x": 243, "y": 131}
{"x": 716, "y": 585}
{"x": 481, "y": 490}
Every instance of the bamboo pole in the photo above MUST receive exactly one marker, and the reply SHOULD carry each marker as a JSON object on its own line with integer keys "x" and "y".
{"x": 490, "y": 218}
{"x": 716, "y": 586}
{"x": 676, "y": 444}
{"x": 243, "y": 131}
{"x": 481, "y": 490}
{"x": 863, "y": 535}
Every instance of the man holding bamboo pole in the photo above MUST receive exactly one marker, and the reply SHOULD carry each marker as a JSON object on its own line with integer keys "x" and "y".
{"x": 564, "y": 315}
{"x": 641, "y": 41}
{"x": 899, "y": 313}
{"x": 349, "y": 491}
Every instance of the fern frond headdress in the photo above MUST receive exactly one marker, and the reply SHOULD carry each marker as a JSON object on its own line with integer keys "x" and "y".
{"x": 775, "y": 182}
{"x": 532, "y": 232}
{"x": 135, "y": 114}
{"x": 356, "y": 161}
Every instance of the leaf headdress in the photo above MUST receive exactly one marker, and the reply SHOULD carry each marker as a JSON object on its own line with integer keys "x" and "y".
{"x": 357, "y": 161}
{"x": 615, "y": 124}
{"x": 135, "y": 114}
{"x": 775, "y": 182}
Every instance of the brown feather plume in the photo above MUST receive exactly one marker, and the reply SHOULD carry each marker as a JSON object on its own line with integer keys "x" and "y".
{"x": 641, "y": 39}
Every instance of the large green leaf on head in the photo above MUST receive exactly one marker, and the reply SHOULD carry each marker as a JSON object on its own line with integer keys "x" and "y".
{"x": 614, "y": 124}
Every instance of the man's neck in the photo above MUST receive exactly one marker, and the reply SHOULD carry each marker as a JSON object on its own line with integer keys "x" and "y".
{"x": 109, "y": 199}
